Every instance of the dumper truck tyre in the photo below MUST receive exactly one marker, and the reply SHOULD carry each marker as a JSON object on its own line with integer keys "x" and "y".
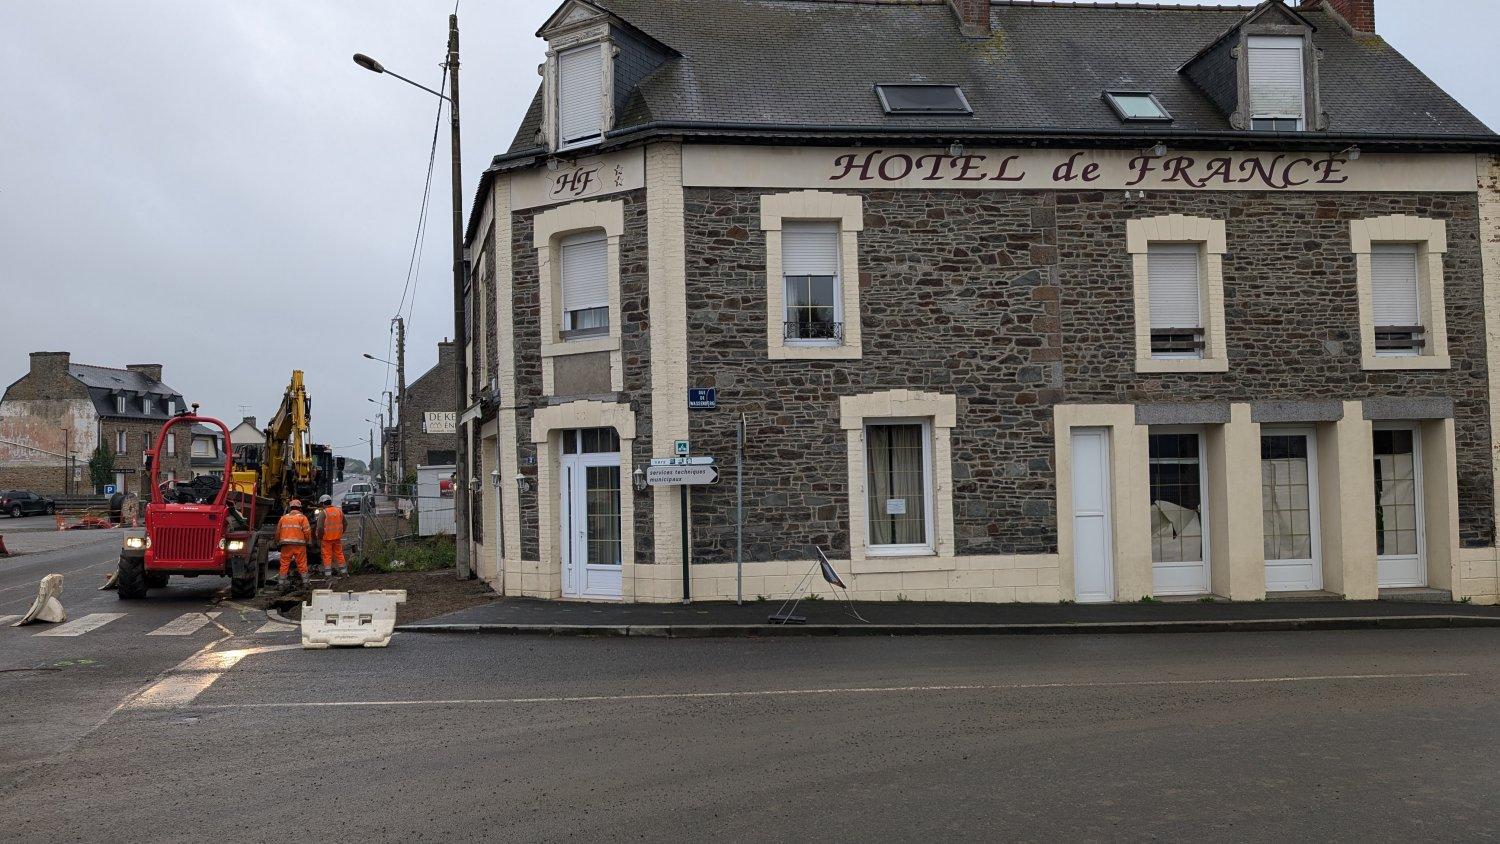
{"x": 157, "y": 580}
{"x": 132, "y": 579}
{"x": 243, "y": 588}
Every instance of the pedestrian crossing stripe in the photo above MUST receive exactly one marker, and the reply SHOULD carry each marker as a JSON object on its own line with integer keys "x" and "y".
{"x": 185, "y": 625}
{"x": 276, "y": 627}
{"x": 78, "y": 627}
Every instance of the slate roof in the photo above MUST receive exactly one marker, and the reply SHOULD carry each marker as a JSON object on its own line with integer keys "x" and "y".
{"x": 801, "y": 67}
{"x": 104, "y": 383}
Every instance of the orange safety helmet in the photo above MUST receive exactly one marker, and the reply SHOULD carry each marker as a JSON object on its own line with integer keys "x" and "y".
{"x": 296, "y": 504}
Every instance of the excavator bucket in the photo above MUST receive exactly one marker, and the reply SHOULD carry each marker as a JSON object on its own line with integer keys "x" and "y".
{"x": 48, "y": 604}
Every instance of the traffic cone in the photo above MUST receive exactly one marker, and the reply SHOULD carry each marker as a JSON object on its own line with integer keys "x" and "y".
{"x": 59, "y": 522}
{"x": 3, "y": 551}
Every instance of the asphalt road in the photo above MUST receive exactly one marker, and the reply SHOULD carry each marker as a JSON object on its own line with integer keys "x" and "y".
{"x": 1388, "y": 735}
{"x": 55, "y": 688}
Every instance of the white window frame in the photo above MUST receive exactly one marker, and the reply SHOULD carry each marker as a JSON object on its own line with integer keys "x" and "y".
{"x": 1197, "y": 250}
{"x": 122, "y": 442}
{"x": 548, "y": 229}
{"x": 929, "y": 544}
{"x": 1431, "y": 239}
{"x": 147, "y": 405}
{"x": 591, "y": 140}
{"x": 171, "y": 444}
{"x": 1204, "y": 516}
{"x": 838, "y": 291}
{"x": 1177, "y": 228}
{"x": 121, "y": 405}
{"x": 567, "y": 332}
{"x": 938, "y": 412}
{"x": 1276, "y": 42}
{"x": 592, "y": 35}
{"x": 848, "y": 211}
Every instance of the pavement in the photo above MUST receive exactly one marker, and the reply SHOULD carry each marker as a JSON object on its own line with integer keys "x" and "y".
{"x": 523, "y": 615}
{"x": 1342, "y": 736}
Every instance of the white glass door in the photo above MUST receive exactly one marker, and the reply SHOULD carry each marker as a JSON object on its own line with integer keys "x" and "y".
{"x": 1398, "y": 507}
{"x": 591, "y": 515}
{"x": 1179, "y": 512}
{"x": 1289, "y": 508}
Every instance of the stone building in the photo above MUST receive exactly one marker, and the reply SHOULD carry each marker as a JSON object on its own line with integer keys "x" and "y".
{"x": 425, "y": 434}
{"x": 61, "y": 407}
{"x": 1018, "y": 302}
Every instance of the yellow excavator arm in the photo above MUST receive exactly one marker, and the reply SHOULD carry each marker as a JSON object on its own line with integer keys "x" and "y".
{"x": 288, "y": 456}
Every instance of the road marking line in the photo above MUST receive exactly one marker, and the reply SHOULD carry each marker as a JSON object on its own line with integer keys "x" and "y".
{"x": 7, "y": 619}
{"x": 78, "y": 627}
{"x": 184, "y": 625}
{"x": 833, "y": 691}
{"x": 181, "y": 685}
{"x": 275, "y": 627}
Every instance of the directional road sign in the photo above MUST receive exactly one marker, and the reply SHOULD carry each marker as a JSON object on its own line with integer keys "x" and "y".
{"x": 681, "y": 475}
{"x": 682, "y": 461}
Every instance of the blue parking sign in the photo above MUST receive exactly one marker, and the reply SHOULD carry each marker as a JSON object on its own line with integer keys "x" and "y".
{"x": 110, "y": 489}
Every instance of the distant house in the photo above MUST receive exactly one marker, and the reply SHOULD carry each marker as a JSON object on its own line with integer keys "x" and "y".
{"x": 60, "y": 410}
{"x": 245, "y": 434}
{"x": 208, "y": 451}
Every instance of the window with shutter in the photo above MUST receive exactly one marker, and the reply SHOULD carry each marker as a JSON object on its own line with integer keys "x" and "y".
{"x": 1175, "y": 296}
{"x": 1395, "y": 300}
{"x": 580, "y": 96}
{"x": 1277, "y": 87}
{"x": 810, "y": 264}
{"x": 584, "y": 269}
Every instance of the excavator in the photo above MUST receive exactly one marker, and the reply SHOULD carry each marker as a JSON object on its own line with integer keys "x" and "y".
{"x": 289, "y": 466}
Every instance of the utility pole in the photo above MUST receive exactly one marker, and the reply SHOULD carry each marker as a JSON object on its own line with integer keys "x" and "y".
{"x": 400, "y": 400}
{"x": 460, "y": 334}
{"x": 67, "y": 461}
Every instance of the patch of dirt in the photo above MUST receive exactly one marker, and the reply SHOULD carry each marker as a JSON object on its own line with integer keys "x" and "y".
{"x": 428, "y": 593}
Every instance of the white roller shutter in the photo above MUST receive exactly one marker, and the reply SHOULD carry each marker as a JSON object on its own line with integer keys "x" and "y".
{"x": 584, "y": 271}
{"x": 580, "y": 90}
{"x": 810, "y": 248}
{"x": 1276, "y": 86}
{"x": 1393, "y": 284}
{"x": 1174, "y": 291}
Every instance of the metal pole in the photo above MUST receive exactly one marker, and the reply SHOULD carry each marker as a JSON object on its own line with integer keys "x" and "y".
{"x": 67, "y": 469}
{"x": 687, "y": 577}
{"x": 460, "y": 335}
{"x": 400, "y": 398}
{"x": 739, "y": 513}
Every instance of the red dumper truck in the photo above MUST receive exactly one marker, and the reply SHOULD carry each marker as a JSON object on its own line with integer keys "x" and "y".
{"x": 194, "y": 529}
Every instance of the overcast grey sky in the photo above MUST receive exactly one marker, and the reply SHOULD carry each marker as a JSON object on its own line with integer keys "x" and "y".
{"x": 216, "y": 187}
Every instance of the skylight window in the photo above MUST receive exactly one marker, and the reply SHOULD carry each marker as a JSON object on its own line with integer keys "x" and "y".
{"x": 1137, "y": 107}
{"x": 918, "y": 98}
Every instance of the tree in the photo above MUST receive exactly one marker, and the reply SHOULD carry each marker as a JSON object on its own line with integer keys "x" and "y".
{"x": 102, "y": 467}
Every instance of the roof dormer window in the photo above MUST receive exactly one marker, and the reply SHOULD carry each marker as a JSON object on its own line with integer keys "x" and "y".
{"x": 580, "y": 96}
{"x": 1277, "y": 83}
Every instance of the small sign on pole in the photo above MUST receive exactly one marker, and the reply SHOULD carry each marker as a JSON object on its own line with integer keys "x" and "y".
{"x": 110, "y": 489}
{"x": 680, "y": 448}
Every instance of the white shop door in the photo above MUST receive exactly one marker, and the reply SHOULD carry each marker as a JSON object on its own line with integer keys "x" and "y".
{"x": 1289, "y": 509}
{"x": 1093, "y": 562}
{"x": 591, "y": 520}
{"x": 1399, "y": 535}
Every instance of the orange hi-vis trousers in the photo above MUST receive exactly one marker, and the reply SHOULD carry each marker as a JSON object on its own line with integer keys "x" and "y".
{"x": 294, "y": 554}
{"x": 333, "y": 553}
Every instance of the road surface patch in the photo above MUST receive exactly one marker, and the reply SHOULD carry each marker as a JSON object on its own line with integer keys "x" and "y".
{"x": 859, "y": 690}
{"x": 80, "y": 626}
{"x": 181, "y": 685}
{"x": 185, "y": 625}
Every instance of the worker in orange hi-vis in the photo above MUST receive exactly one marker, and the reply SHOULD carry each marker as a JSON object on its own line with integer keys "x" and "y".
{"x": 293, "y": 535}
{"x": 331, "y": 530}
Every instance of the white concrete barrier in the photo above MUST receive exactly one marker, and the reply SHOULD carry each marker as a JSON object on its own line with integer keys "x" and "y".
{"x": 48, "y": 604}
{"x": 350, "y": 619}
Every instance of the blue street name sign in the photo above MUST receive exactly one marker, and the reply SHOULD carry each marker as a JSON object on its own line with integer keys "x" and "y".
{"x": 703, "y": 398}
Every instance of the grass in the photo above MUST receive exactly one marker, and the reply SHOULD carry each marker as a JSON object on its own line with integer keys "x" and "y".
{"x": 431, "y": 553}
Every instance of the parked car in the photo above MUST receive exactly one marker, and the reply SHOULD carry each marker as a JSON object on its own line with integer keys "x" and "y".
{"x": 352, "y": 502}
{"x": 19, "y": 502}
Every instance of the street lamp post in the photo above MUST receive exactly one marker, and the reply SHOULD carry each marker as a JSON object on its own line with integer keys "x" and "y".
{"x": 460, "y": 336}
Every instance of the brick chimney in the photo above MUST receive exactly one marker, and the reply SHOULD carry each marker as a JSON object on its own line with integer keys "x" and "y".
{"x": 50, "y": 365}
{"x": 250, "y": 420}
{"x": 1359, "y": 14}
{"x": 973, "y": 17}
{"x": 150, "y": 370}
